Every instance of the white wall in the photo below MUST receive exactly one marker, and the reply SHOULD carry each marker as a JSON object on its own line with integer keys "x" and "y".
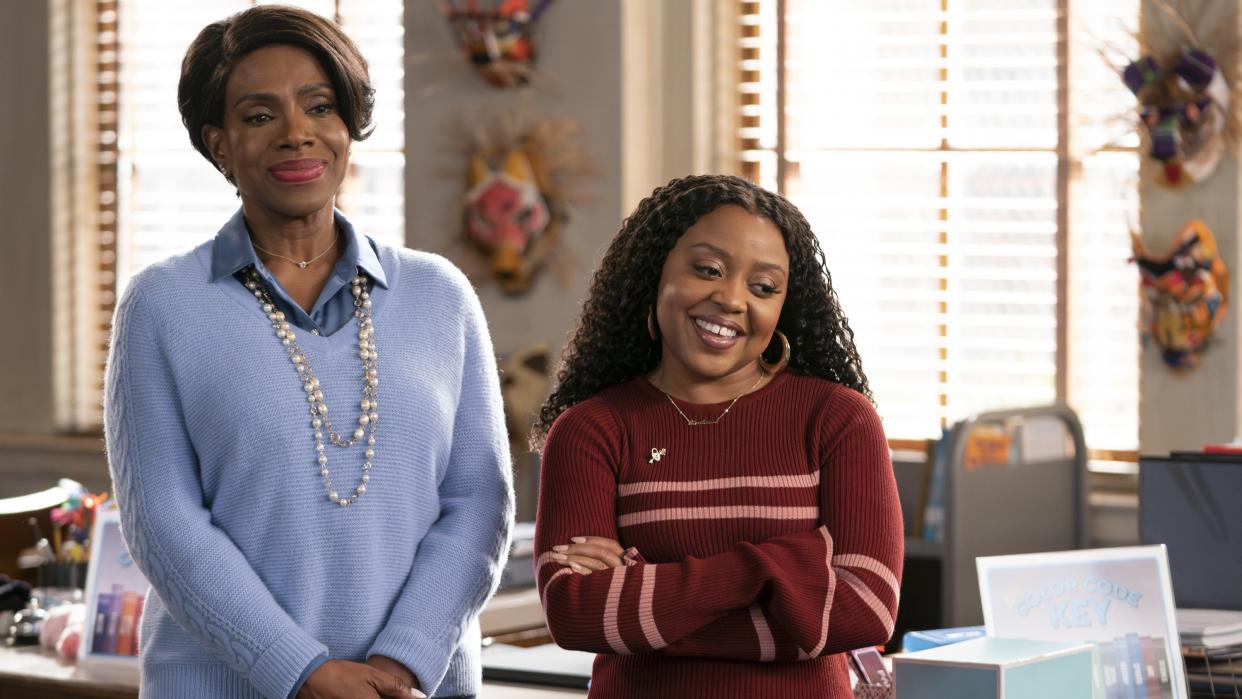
{"x": 25, "y": 221}
{"x": 580, "y": 62}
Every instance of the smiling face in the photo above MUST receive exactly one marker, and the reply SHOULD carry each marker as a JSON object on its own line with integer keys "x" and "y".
{"x": 282, "y": 139}
{"x": 721, "y": 292}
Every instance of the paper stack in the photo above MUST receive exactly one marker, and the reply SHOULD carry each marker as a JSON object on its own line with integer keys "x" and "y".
{"x": 1212, "y": 647}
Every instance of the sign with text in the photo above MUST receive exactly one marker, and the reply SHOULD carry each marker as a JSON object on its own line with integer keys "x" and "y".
{"x": 1119, "y": 599}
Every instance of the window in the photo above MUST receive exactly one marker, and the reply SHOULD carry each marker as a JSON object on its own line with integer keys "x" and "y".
{"x": 969, "y": 172}
{"x": 155, "y": 195}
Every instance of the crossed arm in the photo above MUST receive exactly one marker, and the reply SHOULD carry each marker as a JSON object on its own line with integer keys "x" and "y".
{"x": 791, "y": 597}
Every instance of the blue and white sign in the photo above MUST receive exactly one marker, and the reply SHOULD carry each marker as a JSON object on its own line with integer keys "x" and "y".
{"x": 1119, "y": 599}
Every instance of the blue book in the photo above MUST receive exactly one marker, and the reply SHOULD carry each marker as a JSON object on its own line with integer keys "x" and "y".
{"x": 99, "y": 636}
{"x": 933, "y": 510}
{"x": 1135, "y": 654}
{"x": 1123, "y": 667}
{"x": 922, "y": 640}
{"x": 114, "y": 620}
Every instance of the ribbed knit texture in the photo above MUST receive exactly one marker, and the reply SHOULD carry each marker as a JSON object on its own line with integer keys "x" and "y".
{"x": 254, "y": 572}
{"x": 768, "y": 543}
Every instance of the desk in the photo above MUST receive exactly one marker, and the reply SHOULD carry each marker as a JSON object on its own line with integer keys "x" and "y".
{"x": 27, "y": 673}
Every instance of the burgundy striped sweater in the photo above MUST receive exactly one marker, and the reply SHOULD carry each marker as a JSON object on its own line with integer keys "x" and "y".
{"x": 768, "y": 543}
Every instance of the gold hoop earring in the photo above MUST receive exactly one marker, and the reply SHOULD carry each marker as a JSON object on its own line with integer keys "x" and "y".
{"x": 651, "y": 324}
{"x": 786, "y": 352}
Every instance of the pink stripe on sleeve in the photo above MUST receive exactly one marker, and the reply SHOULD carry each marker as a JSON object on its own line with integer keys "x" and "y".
{"x": 858, "y": 560}
{"x": 832, "y": 585}
{"x": 646, "y": 618}
{"x": 868, "y": 597}
{"x": 767, "y": 646}
{"x": 612, "y": 633}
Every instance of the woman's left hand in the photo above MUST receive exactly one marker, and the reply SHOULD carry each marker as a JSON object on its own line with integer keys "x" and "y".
{"x": 394, "y": 668}
{"x": 587, "y": 554}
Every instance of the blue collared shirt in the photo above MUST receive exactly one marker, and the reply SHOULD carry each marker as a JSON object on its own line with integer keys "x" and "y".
{"x": 232, "y": 252}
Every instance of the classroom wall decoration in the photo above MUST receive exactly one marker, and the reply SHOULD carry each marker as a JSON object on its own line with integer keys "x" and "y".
{"x": 498, "y": 42}
{"x": 1184, "y": 293}
{"x": 521, "y": 180}
{"x": 1183, "y": 81}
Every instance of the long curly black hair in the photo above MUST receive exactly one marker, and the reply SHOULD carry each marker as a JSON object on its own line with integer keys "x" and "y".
{"x": 610, "y": 343}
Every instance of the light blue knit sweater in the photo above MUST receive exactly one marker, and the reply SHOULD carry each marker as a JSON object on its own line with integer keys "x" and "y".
{"x": 254, "y": 572}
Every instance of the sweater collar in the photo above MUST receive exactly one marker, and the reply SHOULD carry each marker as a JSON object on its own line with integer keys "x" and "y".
{"x": 232, "y": 251}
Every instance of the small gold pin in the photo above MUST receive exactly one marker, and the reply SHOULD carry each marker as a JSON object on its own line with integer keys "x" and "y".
{"x": 657, "y": 454}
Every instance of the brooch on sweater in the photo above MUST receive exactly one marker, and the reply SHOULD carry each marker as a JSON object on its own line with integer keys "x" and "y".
{"x": 657, "y": 454}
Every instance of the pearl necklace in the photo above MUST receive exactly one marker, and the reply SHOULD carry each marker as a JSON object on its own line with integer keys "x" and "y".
{"x": 314, "y": 396}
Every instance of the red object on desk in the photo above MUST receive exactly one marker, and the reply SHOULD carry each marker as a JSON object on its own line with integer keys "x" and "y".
{"x": 1222, "y": 449}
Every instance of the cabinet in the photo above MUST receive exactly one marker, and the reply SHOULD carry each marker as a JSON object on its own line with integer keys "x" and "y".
{"x": 1031, "y": 499}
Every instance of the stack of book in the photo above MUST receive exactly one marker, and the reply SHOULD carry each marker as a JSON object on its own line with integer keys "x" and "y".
{"x": 118, "y": 614}
{"x": 1212, "y": 646}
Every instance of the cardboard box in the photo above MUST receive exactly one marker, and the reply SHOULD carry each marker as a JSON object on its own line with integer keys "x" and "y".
{"x": 996, "y": 668}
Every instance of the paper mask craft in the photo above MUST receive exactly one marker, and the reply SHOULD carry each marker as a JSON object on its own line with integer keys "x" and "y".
{"x": 1184, "y": 293}
{"x": 508, "y": 218}
{"x": 1184, "y": 107}
{"x": 498, "y": 42}
{"x": 1184, "y": 82}
{"x": 519, "y": 186}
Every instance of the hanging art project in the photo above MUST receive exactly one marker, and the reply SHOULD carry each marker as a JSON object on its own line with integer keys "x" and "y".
{"x": 1184, "y": 293}
{"x": 498, "y": 42}
{"x": 1183, "y": 82}
{"x": 518, "y": 191}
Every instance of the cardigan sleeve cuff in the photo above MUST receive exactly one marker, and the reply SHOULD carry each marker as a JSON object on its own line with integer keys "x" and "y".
{"x": 280, "y": 667}
{"x": 425, "y": 656}
{"x": 297, "y": 686}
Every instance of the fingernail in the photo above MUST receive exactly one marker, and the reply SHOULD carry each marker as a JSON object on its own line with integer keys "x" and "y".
{"x": 577, "y": 568}
{"x": 579, "y": 539}
{"x": 417, "y": 694}
{"x": 562, "y": 547}
{"x": 559, "y": 557}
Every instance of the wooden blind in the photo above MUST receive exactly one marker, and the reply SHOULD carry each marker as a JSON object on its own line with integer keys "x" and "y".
{"x": 967, "y": 170}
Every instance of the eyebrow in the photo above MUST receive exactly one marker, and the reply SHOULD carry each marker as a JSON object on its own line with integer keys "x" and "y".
{"x": 270, "y": 97}
{"x": 775, "y": 266}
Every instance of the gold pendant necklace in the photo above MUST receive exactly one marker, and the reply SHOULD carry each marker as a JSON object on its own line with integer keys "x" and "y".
{"x": 302, "y": 264}
{"x": 707, "y": 421}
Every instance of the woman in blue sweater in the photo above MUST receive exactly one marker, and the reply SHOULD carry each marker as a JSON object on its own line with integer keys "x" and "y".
{"x": 293, "y": 550}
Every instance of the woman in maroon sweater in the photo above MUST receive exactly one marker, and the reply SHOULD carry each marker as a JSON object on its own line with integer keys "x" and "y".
{"x": 717, "y": 512}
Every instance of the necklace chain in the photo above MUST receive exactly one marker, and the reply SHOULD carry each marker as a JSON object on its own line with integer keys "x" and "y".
{"x": 314, "y": 394}
{"x": 713, "y": 420}
{"x": 302, "y": 264}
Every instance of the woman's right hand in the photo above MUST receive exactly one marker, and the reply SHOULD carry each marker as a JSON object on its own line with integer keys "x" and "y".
{"x": 587, "y": 554}
{"x": 342, "y": 679}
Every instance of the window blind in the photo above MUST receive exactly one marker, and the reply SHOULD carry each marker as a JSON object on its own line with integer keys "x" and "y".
{"x": 963, "y": 166}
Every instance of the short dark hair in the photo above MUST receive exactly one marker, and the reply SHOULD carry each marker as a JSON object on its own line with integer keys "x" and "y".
{"x": 221, "y": 45}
